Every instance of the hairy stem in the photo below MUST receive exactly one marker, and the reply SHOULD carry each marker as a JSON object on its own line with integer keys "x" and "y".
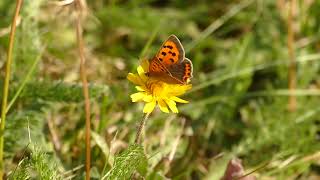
{"x": 6, "y": 84}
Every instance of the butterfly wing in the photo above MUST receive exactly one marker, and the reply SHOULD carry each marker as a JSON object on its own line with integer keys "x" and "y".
{"x": 169, "y": 64}
{"x": 182, "y": 72}
{"x": 171, "y": 51}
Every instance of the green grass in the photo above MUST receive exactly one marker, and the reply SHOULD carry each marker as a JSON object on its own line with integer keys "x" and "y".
{"x": 238, "y": 103}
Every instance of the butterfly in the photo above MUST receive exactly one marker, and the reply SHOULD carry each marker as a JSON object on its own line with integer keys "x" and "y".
{"x": 170, "y": 64}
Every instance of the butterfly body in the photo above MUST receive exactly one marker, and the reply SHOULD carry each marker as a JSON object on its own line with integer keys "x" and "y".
{"x": 169, "y": 64}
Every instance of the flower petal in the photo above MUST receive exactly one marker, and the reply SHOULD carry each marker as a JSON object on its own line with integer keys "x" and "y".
{"x": 133, "y": 78}
{"x": 145, "y": 65}
{"x": 177, "y": 99}
{"x": 172, "y": 105}
{"x": 148, "y": 98}
{"x": 137, "y": 96}
{"x": 177, "y": 90}
{"x": 149, "y": 107}
{"x": 163, "y": 106}
{"x": 140, "y": 88}
{"x": 142, "y": 74}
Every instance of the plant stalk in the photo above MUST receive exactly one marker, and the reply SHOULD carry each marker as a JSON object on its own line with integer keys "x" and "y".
{"x": 83, "y": 74}
{"x": 140, "y": 128}
{"x": 292, "y": 66}
{"x": 6, "y": 84}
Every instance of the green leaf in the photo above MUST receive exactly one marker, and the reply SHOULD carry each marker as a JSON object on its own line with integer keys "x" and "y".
{"x": 132, "y": 159}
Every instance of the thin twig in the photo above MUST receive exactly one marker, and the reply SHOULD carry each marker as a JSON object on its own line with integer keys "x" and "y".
{"x": 6, "y": 84}
{"x": 62, "y": 3}
{"x": 163, "y": 135}
{"x": 168, "y": 160}
{"x": 54, "y": 134}
{"x": 292, "y": 66}
{"x": 255, "y": 170}
{"x": 307, "y": 159}
{"x": 71, "y": 171}
{"x": 176, "y": 142}
{"x": 21, "y": 159}
{"x": 83, "y": 75}
{"x": 141, "y": 127}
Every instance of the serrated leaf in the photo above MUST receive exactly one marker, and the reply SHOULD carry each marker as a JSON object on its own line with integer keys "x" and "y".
{"x": 127, "y": 162}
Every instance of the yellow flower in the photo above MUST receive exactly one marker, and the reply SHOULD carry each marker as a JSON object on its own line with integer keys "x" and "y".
{"x": 155, "y": 92}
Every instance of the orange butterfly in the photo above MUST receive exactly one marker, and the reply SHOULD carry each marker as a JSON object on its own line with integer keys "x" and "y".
{"x": 169, "y": 64}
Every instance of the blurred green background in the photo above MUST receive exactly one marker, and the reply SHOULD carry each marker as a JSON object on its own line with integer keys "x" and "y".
{"x": 238, "y": 105}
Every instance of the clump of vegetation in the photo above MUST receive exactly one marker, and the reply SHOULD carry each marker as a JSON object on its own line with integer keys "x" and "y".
{"x": 239, "y": 104}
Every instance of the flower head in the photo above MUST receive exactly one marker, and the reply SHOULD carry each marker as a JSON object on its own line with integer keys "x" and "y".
{"x": 153, "y": 91}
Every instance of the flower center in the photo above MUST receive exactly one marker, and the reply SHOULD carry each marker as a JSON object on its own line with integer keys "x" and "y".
{"x": 156, "y": 88}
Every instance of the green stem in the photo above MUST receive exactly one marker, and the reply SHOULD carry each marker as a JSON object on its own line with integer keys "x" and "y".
{"x": 6, "y": 84}
{"x": 25, "y": 81}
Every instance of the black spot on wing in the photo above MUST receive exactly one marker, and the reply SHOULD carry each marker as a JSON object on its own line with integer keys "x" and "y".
{"x": 163, "y": 53}
{"x": 170, "y": 47}
{"x": 171, "y": 60}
